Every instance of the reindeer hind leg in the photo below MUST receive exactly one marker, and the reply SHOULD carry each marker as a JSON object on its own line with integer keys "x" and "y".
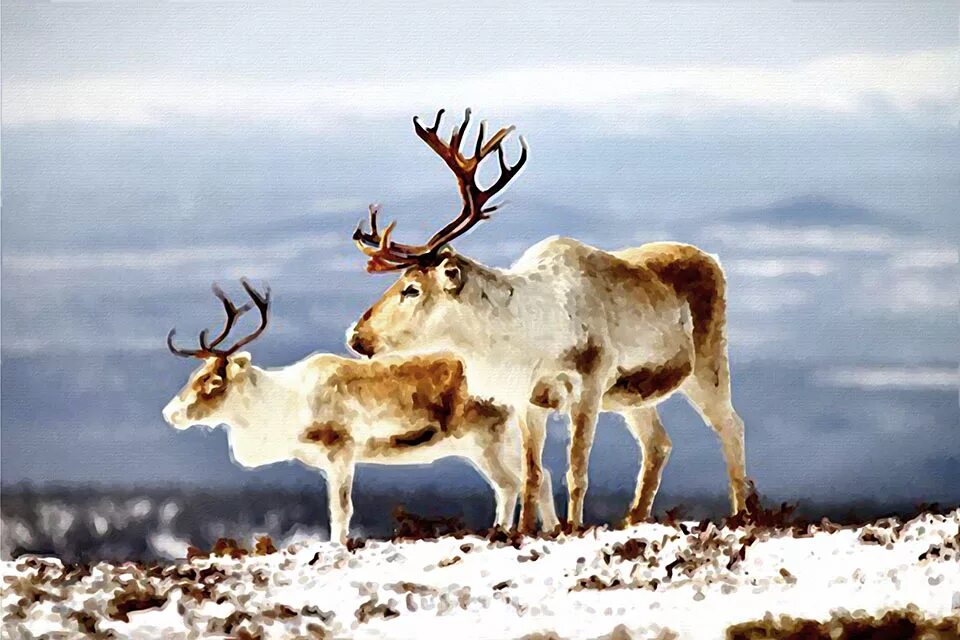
{"x": 708, "y": 390}
{"x": 645, "y": 426}
{"x": 340, "y": 499}
{"x": 501, "y": 466}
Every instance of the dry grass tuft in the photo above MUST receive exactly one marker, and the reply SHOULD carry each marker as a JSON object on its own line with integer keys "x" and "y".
{"x": 264, "y": 546}
{"x": 134, "y": 596}
{"x": 756, "y": 515}
{"x": 411, "y": 526}
{"x": 906, "y": 624}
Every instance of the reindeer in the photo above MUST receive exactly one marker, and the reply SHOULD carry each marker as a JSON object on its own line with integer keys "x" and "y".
{"x": 568, "y": 327}
{"x": 331, "y": 412}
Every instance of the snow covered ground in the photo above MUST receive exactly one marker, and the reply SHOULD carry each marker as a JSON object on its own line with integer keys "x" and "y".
{"x": 647, "y": 581}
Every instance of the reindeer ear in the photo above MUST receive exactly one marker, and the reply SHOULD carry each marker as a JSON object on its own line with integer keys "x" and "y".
{"x": 237, "y": 365}
{"x": 451, "y": 274}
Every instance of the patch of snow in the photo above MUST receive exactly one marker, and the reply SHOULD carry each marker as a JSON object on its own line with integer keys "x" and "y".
{"x": 693, "y": 581}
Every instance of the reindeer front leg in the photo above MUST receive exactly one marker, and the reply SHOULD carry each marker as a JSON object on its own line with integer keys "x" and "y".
{"x": 583, "y": 423}
{"x": 547, "y": 509}
{"x": 340, "y": 498}
{"x": 533, "y": 429}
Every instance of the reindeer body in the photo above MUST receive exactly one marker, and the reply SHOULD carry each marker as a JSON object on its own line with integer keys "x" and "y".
{"x": 570, "y": 310}
{"x": 331, "y": 413}
{"x": 573, "y": 327}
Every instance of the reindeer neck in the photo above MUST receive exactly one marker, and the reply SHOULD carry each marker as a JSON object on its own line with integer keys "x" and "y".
{"x": 490, "y": 284}
{"x": 267, "y": 398}
{"x": 514, "y": 322}
{"x": 498, "y": 331}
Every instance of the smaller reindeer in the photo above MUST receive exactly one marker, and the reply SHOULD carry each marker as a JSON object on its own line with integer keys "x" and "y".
{"x": 331, "y": 412}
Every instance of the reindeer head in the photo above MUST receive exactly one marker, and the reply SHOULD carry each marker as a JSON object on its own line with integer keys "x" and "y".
{"x": 209, "y": 389}
{"x": 434, "y": 277}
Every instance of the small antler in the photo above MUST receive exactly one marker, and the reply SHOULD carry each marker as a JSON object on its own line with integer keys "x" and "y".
{"x": 386, "y": 255}
{"x": 232, "y": 313}
{"x": 209, "y": 349}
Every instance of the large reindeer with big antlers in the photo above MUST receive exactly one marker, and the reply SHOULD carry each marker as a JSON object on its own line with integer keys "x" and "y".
{"x": 568, "y": 327}
{"x": 331, "y": 413}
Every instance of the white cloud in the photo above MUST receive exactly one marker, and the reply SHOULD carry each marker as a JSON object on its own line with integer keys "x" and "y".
{"x": 746, "y": 336}
{"x": 891, "y": 378}
{"x": 916, "y": 84}
{"x": 778, "y": 267}
{"x": 80, "y": 344}
{"x": 159, "y": 259}
{"x": 747, "y": 297}
{"x": 818, "y": 238}
{"x": 906, "y": 251}
{"x": 341, "y": 205}
{"x": 909, "y": 292}
{"x": 923, "y": 259}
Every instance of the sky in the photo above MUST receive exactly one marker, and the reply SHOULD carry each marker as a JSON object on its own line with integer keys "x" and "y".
{"x": 150, "y": 149}
{"x": 310, "y": 68}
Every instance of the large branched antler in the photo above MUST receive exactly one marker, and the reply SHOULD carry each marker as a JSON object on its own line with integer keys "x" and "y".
{"x": 233, "y": 313}
{"x": 386, "y": 255}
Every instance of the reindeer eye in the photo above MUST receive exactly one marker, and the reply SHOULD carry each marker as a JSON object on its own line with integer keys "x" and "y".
{"x": 410, "y": 291}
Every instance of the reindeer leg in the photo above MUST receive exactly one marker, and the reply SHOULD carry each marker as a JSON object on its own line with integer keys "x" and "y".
{"x": 533, "y": 430}
{"x": 548, "y": 510}
{"x": 714, "y": 405}
{"x": 655, "y": 446}
{"x": 501, "y": 465}
{"x": 583, "y": 420}
{"x": 340, "y": 499}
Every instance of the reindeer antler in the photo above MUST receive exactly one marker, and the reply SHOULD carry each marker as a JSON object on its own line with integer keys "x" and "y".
{"x": 232, "y": 313}
{"x": 207, "y": 350}
{"x": 386, "y": 255}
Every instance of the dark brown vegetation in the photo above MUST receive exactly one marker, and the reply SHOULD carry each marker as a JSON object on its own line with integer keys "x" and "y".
{"x": 410, "y": 526}
{"x": 134, "y": 596}
{"x": 906, "y": 624}
{"x": 373, "y": 609}
{"x": 755, "y": 514}
{"x": 949, "y": 549}
{"x": 263, "y": 545}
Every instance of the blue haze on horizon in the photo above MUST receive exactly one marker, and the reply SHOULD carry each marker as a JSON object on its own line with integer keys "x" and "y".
{"x": 150, "y": 150}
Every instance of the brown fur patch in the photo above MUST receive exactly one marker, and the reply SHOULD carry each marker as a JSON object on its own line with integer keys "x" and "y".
{"x": 428, "y": 394}
{"x": 413, "y": 438}
{"x": 329, "y": 434}
{"x": 544, "y": 395}
{"x": 428, "y": 390}
{"x": 477, "y": 411}
{"x": 699, "y": 280}
{"x": 207, "y": 394}
{"x": 586, "y": 358}
{"x": 483, "y": 413}
{"x": 653, "y": 381}
{"x": 343, "y": 495}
